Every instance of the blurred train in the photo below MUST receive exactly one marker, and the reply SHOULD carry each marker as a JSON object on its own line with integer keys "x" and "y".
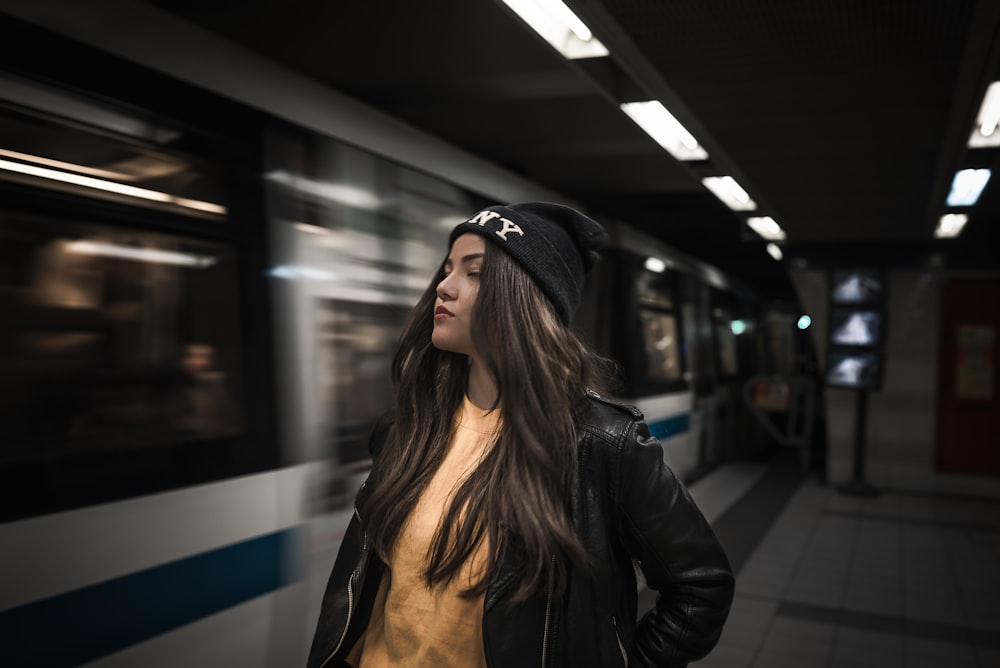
{"x": 202, "y": 278}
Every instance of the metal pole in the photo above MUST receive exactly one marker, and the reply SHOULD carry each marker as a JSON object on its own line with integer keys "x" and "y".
{"x": 860, "y": 427}
{"x": 858, "y": 486}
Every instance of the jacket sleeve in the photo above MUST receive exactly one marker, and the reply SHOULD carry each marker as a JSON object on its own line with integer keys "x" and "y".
{"x": 336, "y": 608}
{"x": 678, "y": 553}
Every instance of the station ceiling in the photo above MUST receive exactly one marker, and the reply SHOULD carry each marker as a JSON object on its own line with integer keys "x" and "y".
{"x": 845, "y": 121}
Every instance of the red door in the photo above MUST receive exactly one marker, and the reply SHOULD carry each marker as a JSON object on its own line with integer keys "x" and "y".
{"x": 968, "y": 430}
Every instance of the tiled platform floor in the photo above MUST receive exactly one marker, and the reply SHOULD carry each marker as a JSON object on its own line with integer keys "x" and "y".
{"x": 894, "y": 581}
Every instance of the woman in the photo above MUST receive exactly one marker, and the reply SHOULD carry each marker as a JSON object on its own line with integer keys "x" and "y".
{"x": 508, "y": 501}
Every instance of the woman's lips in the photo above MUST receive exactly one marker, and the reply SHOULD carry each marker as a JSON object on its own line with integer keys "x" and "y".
{"x": 441, "y": 312}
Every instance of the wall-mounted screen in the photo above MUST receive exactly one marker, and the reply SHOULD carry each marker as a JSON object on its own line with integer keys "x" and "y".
{"x": 856, "y": 286}
{"x": 853, "y": 369}
{"x": 855, "y": 327}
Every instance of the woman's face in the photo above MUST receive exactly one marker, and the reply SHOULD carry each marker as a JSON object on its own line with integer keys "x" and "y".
{"x": 456, "y": 294}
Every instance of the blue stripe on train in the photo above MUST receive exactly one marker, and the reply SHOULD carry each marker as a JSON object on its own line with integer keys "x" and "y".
{"x": 88, "y": 623}
{"x": 672, "y": 426}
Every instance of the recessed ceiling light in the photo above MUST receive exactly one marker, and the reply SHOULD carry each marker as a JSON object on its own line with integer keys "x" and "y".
{"x": 729, "y": 191}
{"x": 656, "y": 265}
{"x": 950, "y": 225}
{"x": 668, "y": 132}
{"x": 766, "y": 227}
{"x": 559, "y": 26}
{"x": 967, "y": 186}
{"x": 988, "y": 121}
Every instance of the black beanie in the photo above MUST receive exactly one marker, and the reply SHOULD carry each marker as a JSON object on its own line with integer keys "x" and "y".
{"x": 555, "y": 244}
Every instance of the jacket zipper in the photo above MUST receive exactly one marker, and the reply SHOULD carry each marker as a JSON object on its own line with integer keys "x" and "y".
{"x": 350, "y": 589}
{"x": 347, "y": 624}
{"x": 621, "y": 645}
{"x": 548, "y": 615}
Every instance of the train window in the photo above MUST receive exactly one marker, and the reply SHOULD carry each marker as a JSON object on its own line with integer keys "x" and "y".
{"x": 355, "y": 345}
{"x": 649, "y": 346}
{"x": 113, "y": 338}
{"x": 659, "y": 334}
{"x": 655, "y": 289}
{"x": 53, "y": 139}
{"x": 658, "y": 323}
{"x": 726, "y": 339}
{"x": 726, "y": 329}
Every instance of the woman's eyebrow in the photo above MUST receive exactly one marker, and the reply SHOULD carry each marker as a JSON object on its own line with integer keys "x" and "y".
{"x": 464, "y": 259}
{"x": 471, "y": 256}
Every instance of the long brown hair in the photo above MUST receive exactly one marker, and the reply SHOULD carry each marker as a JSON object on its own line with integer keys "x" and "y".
{"x": 521, "y": 489}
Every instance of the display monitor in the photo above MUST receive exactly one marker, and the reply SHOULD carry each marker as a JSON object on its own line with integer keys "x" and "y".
{"x": 853, "y": 369}
{"x": 855, "y": 327}
{"x": 856, "y": 286}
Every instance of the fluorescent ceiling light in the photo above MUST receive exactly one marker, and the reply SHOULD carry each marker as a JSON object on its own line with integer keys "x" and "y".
{"x": 774, "y": 251}
{"x": 668, "y": 132}
{"x": 119, "y": 175}
{"x": 950, "y": 225}
{"x": 729, "y": 191}
{"x": 311, "y": 229}
{"x": 988, "y": 121}
{"x": 559, "y": 26}
{"x": 656, "y": 265}
{"x": 108, "y": 249}
{"x": 358, "y": 198}
{"x": 110, "y": 186}
{"x": 293, "y": 272}
{"x": 766, "y": 227}
{"x": 967, "y": 186}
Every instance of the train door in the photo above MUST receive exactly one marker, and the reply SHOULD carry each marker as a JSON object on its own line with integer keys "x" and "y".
{"x": 728, "y": 330}
{"x": 645, "y": 334}
{"x": 722, "y": 335}
{"x": 699, "y": 340}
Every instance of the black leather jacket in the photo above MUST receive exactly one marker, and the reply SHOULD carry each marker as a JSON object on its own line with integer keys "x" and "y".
{"x": 627, "y": 507}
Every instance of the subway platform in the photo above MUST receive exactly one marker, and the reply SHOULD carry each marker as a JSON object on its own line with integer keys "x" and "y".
{"x": 830, "y": 580}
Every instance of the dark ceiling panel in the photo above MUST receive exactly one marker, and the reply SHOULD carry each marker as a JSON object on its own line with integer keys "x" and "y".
{"x": 835, "y": 110}
{"x": 376, "y": 43}
{"x": 588, "y": 177}
{"x": 844, "y": 119}
{"x": 521, "y": 125}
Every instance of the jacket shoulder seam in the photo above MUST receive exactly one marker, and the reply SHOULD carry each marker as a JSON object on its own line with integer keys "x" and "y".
{"x": 629, "y": 409}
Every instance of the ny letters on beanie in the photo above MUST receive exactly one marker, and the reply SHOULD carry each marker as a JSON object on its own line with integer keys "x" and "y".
{"x": 555, "y": 244}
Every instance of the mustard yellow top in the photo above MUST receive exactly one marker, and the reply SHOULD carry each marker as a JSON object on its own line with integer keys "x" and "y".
{"x": 420, "y": 627}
